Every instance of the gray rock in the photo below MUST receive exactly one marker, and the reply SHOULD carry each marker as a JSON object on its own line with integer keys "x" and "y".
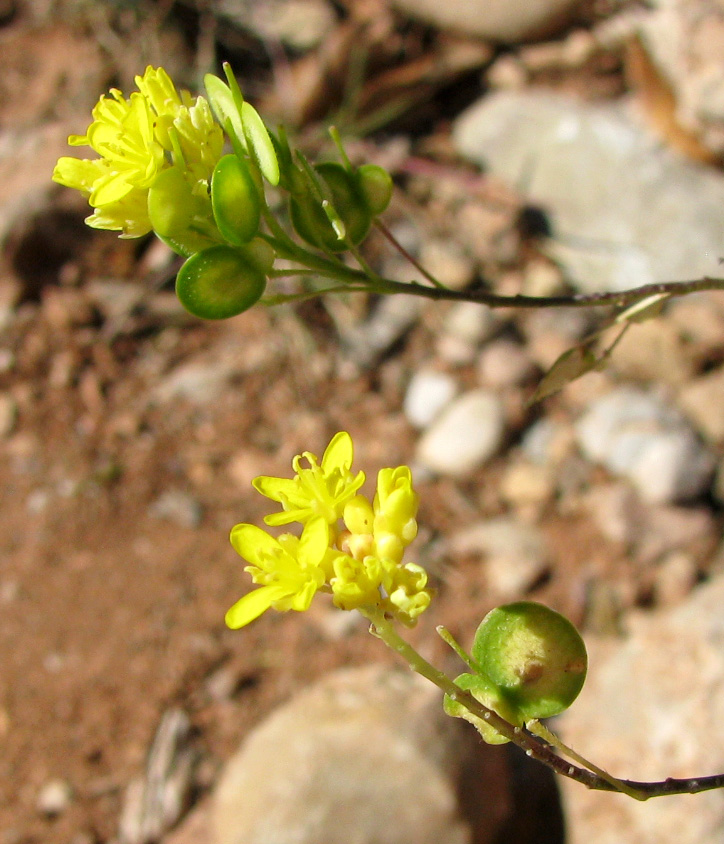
{"x": 504, "y": 363}
{"x": 178, "y": 507}
{"x": 703, "y": 402}
{"x": 509, "y": 21}
{"x": 685, "y": 38}
{"x": 515, "y": 554}
{"x": 465, "y": 435}
{"x": 634, "y": 434}
{"x": 427, "y": 394}
{"x": 647, "y": 712}
{"x": 360, "y": 757}
{"x": 625, "y": 210}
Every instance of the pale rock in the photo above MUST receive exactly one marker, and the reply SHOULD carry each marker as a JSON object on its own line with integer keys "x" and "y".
{"x": 674, "y": 578}
{"x": 506, "y": 21}
{"x": 617, "y": 512}
{"x": 467, "y": 433}
{"x": 653, "y": 351}
{"x": 625, "y": 210}
{"x": 54, "y": 798}
{"x": 448, "y": 263}
{"x": 455, "y": 351}
{"x": 685, "y": 38}
{"x": 666, "y": 528}
{"x": 527, "y": 484}
{"x": 299, "y": 24}
{"x": 428, "y": 393}
{"x": 547, "y": 442}
{"x": 507, "y": 73}
{"x": 515, "y": 554}
{"x": 542, "y": 278}
{"x": 364, "y": 755}
{"x": 648, "y": 711}
{"x": 700, "y": 318}
{"x": 471, "y": 322}
{"x": 703, "y": 401}
{"x": 504, "y": 363}
{"x": 635, "y": 434}
{"x": 177, "y": 506}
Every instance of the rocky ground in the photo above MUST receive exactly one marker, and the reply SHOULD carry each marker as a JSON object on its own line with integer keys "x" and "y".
{"x": 130, "y": 432}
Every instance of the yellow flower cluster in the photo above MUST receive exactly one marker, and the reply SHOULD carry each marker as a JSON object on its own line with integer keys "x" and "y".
{"x": 155, "y": 129}
{"x": 349, "y": 546}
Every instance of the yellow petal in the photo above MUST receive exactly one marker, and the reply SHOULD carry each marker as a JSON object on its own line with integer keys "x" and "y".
{"x": 252, "y": 605}
{"x": 338, "y": 454}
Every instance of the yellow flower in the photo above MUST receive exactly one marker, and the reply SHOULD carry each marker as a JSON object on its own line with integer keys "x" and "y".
{"x": 137, "y": 138}
{"x": 322, "y": 490}
{"x": 289, "y": 569}
{"x": 361, "y": 566}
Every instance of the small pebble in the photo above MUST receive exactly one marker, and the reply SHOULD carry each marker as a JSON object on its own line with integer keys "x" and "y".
{"x": 178, "y": 507}
{"x": 427, "y": 394}
{"x": 467, "y": 433}
{"x": 54, "y": 798}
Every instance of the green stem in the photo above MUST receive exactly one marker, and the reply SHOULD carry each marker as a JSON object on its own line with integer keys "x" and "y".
{"x": 384, "y": 629}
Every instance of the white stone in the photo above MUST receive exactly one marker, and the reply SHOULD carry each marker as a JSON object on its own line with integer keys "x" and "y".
{"x": 509, "y": 21}
{"x": 634, "y": 434}
{"x": 625, "y": 210}
{"x": 427, "y": 394}
{"x": 54, "y": 797}
{"x": 515, "y": 554}
{"x": 465, "y": 435}
{"x": 360, "y": 757}
{"x": 650, "y": 709}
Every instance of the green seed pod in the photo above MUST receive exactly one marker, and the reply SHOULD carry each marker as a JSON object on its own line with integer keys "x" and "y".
{"x": 235, "y": 200}
{"x": 170, "y": 203}
{"x": 375, "y": 185}
{"x": 224, "y": 281}
{"x": 533, "y": 656}
{"x": 258, "y": 141}
{"x": 312, "y": 223}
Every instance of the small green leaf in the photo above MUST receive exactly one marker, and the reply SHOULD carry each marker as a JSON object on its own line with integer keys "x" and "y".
{"x": 570, "y": 365}
{"x": 258, "y": 140}
{"x": 235, "y": 200}
{"x": 645, "y": 309}
{"x": 221, "y": 281}
{"x": 533, "y": 656}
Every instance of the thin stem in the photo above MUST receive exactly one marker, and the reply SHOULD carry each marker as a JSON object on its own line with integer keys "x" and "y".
{"x": 619, "y": 299}
{"x": 407, "y": 256}
{"x": 383, "y": 628}
{"x": 543, "y": 732}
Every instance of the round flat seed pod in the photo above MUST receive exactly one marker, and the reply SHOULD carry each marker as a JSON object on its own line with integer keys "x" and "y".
{"x": 533, "y": 655}
{"x": 220, "y": 282}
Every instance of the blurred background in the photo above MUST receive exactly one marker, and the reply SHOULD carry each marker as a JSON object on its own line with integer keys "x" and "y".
{"x": 538, "y": 147}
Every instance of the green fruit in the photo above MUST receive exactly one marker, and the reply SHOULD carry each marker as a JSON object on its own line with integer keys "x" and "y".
{"x": 223, "y": 281}
{"x": 312, "y": 223}
{"x": 170, "y": 203}
{"x": 235, "y": 200}
{"x": 534, "y": 657}
{"x": 375, "y": 185}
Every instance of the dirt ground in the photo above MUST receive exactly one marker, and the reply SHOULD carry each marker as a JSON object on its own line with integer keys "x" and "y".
{"x": 132, "y": 432}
